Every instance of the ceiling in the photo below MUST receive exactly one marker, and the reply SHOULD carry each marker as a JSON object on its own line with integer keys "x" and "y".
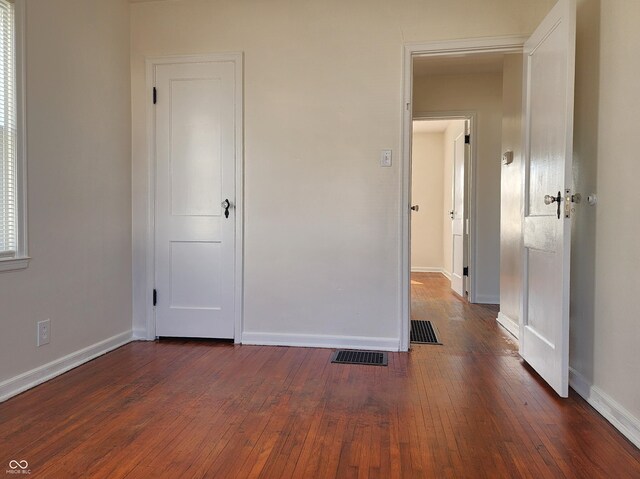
{"x": 458, "y": 64}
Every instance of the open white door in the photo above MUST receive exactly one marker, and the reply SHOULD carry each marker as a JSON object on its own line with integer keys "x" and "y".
{"x": 457, "y": 215}
{"x": 549, "y": 69}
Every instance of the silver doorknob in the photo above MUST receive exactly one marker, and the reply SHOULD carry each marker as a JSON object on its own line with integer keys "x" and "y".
{"x": 415, "y": 208}
{"x": 452, "y": 213}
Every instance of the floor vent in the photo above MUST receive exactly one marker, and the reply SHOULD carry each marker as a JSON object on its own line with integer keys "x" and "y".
{"x": 423, "y": 332}
{"x": 370, "y": 358}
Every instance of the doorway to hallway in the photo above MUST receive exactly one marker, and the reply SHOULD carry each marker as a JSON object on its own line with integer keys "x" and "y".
{"x": 439, "y": 195}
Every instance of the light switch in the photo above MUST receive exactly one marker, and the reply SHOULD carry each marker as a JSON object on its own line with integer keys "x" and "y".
{"x": 385, "y": 158}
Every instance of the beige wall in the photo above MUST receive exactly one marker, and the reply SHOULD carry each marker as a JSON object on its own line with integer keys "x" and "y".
{"x": 605, "y": 329}
{"x": 323, "y": 87}
{"x": 79, "y": 200}
{"x": 585, "y": 161}
{"x": 511, "y": 191}
{"x": 427, "y": 190}
{"x": 480, "y": 93}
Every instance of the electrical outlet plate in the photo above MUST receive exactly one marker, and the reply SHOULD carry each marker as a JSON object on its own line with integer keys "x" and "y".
{"x": 44, "y": 332}
{"x": 385, "y": 158}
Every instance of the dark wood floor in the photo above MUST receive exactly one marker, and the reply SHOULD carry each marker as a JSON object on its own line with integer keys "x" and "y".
{"x": 469, "y": 408}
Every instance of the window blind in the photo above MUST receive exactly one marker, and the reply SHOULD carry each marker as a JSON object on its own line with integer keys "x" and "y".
{"x": 8, "y": 134}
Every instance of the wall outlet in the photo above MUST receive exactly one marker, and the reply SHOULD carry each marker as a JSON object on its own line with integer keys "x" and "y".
{"x": 44, "y": 332}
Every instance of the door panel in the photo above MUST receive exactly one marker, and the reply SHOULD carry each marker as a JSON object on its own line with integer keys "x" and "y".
{"x": 196, "y": 160}
{"x": 540, "y": 313}
{"x": 548, "y": 135}
{"x": 547, "y": 67}
{"x": 195, "y": 172}
{"x": 195, "y": 275}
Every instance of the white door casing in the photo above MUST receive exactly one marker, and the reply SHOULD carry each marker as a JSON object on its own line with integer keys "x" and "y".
{"x": 549, "y": 69}
{"x": 467, "y": 46}
{"x": 469, "y": 213}
{"x": 458, "y": 215}
{"x": 195, "y": 163}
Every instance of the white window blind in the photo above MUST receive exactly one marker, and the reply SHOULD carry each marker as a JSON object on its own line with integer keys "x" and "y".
{"x": 8, "y": 132}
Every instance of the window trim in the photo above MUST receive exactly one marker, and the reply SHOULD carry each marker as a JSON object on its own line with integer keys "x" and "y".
{"x": 21, "y": 258}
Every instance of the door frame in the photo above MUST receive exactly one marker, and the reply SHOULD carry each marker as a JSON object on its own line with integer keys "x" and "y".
{"x": 150, "y": 64}
{"x": 470, "y": 190}
{"x": 468, "y": 46}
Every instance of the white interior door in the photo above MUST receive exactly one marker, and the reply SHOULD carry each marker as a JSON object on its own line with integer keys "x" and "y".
{"x": 195, "y": 174}
{"x": 457, "y": 216}
{"x": 549, "y": 68}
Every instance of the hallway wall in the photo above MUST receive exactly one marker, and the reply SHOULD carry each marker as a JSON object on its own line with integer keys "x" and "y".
{"x": 427, "y": 191}
{"x": 481, "y": 93}
{"x": 511, "y": 196}
{"x": 605, "y": 329}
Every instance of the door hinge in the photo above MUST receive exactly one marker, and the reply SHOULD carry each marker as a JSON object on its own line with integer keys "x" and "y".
{"x": 467, "y": 139}
{"x": 465, "y": 271}
{"x": 155, "y": 297}
{"x": 155, "y": 95}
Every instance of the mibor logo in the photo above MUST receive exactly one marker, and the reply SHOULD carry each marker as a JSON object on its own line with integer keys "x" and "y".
{"x": 18, "y": 467}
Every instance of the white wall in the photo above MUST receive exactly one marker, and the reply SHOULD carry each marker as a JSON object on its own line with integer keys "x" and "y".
{"x": 323, "y": 88}
{"x": 455, "y": 128}
{"x": 427, "y": 190}
{"x": 605, "y": 325}
{"x": 481, "y": 93}
{"x": 511, "y": 194}
{"x": 79, "y": 200}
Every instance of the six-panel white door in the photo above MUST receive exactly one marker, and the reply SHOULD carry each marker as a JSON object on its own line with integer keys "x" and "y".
{"x": 195, "y": 172}
{"x": 549, "y": 66}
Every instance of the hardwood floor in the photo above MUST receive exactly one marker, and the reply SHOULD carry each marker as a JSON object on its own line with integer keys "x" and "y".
{"x": 467, "y": 409}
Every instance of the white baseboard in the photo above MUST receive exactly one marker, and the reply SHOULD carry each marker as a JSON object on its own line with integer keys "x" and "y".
{"x": 613, "y": 412}
{"x": 429, "y": 269}
{"x": 29, "y": 379}
{"x": 509, "y": 324}
{"x": 321, "y": 341}
{"x": 425, "y": 269}
{"x": 140, "y": 335}
{"x": 487, "y": 299}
